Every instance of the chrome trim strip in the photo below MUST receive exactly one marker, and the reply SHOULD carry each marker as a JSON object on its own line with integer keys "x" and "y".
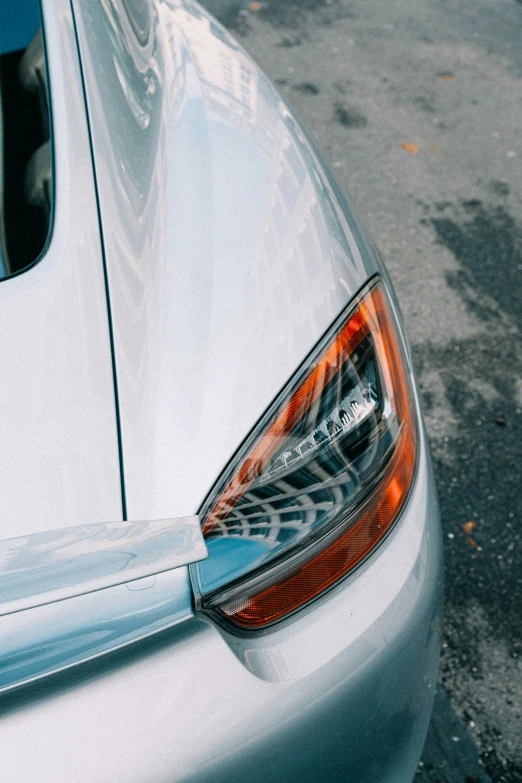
{"x": 47, "y": 639}
{"x": 52, "y": 566}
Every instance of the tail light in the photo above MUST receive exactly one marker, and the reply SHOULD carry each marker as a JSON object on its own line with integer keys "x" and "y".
{"x": 320, "y": 481}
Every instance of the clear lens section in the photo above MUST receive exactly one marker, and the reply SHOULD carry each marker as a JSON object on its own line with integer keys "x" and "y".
{"x": 311, "y": 464}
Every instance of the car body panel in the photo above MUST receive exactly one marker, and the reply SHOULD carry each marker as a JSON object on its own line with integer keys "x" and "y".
{"x": 227, "y": 253}
{"x": 228, "y": 256}
{"x": 59, "y": 460}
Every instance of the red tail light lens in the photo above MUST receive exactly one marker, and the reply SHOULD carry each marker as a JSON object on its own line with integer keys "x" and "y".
{"x": 321, "y": 480}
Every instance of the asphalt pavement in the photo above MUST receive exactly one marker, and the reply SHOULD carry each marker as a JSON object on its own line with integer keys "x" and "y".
{"x": 417, "y": 108}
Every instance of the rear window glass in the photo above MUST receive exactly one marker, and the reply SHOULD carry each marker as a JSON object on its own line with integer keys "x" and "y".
{"x": 25, "y": 145}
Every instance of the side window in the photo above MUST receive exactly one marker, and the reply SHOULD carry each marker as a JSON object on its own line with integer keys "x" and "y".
{"x": 25, "y": 146}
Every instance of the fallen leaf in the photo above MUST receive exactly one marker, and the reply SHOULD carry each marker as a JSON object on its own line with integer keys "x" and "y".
{"x": 472, "y": 542}
{"x": 410, "y": 148}
{"x": 446, "y": 77}
{"x": 467, "y": 527}
{"x": 499, "y": 420}
{"x": 254, "y": 6}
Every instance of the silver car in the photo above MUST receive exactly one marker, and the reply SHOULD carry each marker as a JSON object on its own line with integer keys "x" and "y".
{"x": 221, "y": 551}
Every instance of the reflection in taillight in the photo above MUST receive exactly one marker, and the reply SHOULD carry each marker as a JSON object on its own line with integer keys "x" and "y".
{"x": 321, "y": 480}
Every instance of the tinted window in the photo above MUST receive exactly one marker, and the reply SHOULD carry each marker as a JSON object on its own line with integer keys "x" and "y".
{"x": 25, "y": 148}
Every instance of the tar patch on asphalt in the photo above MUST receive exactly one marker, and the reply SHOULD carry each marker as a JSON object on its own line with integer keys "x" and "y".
{"x": 306, "y": 88}
{"x": 487, "y": 241}
{"x": 477, "y": 382}
{"x": 349, "y": 117}
{"x": 449, "y": 755}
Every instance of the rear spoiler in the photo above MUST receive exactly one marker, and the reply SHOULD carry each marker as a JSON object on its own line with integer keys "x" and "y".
{"x": 72, "y": 594}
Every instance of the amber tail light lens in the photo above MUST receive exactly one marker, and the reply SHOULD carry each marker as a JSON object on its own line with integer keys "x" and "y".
{"x": 321, "y": 480}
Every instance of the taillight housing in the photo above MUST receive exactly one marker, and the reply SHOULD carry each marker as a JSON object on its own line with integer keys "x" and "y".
{"x": 320, "y": 481}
